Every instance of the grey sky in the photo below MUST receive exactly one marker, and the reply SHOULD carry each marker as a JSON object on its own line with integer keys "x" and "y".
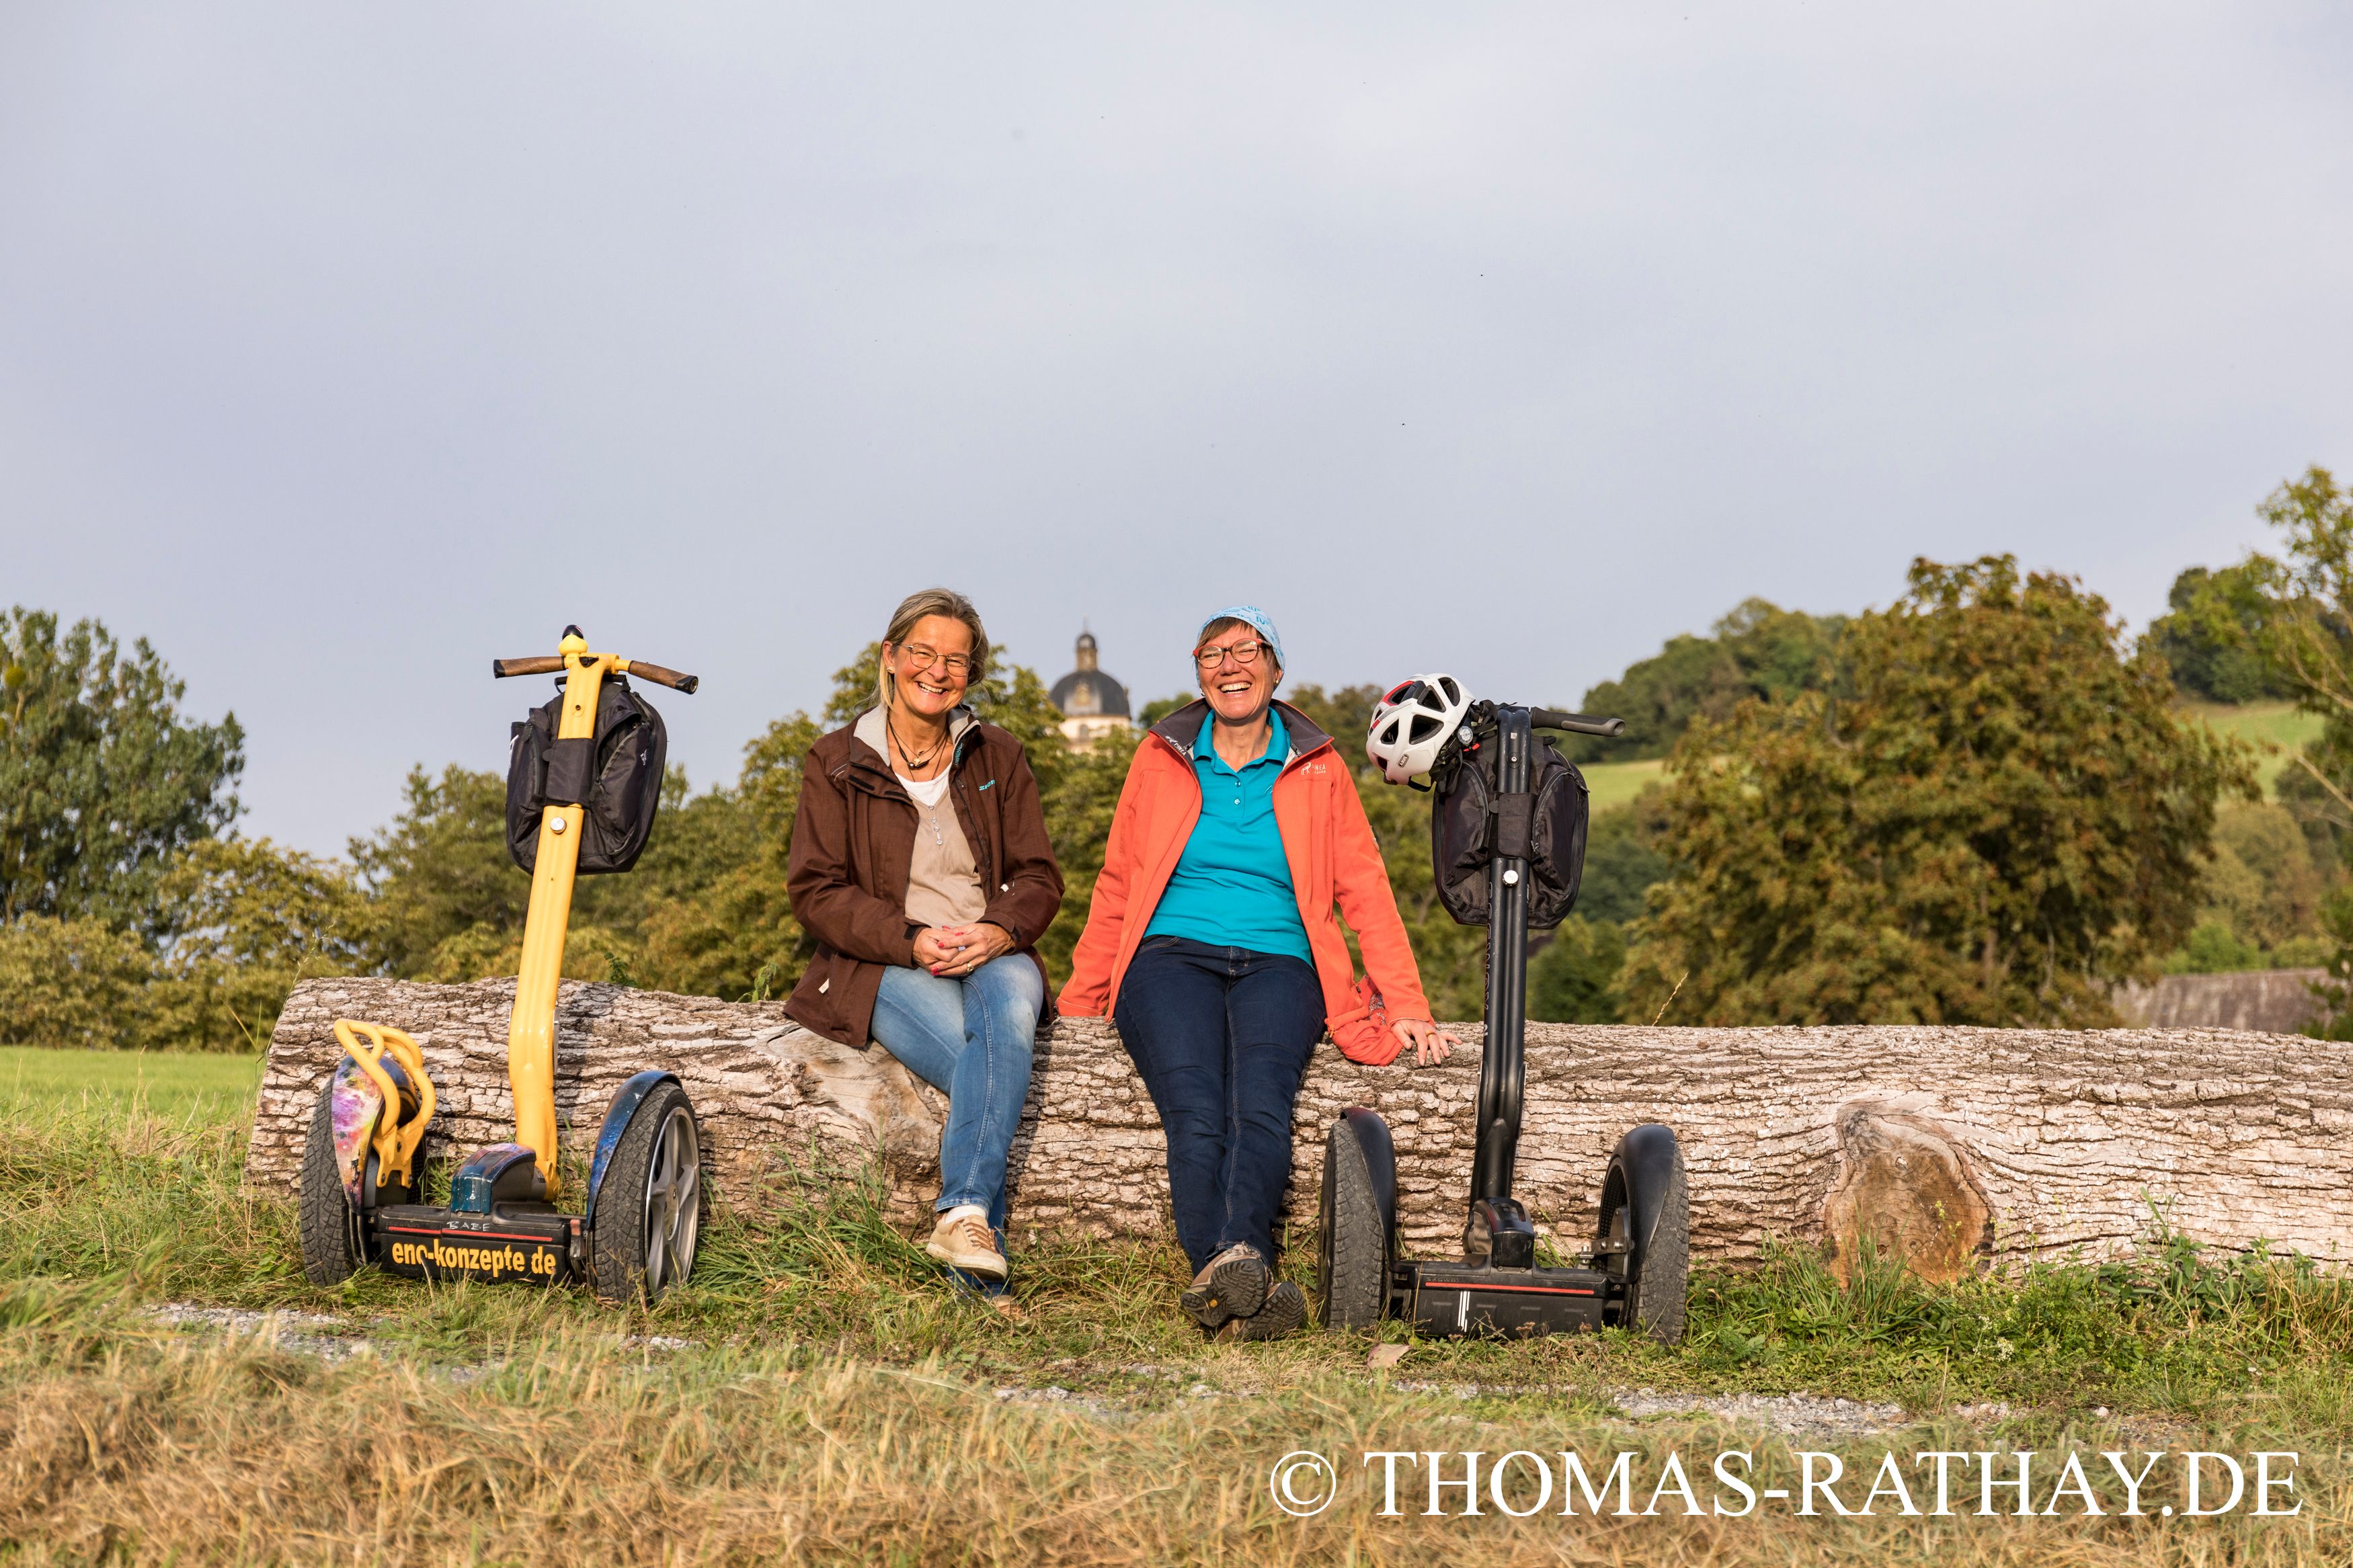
{"x": 343, "y": 348}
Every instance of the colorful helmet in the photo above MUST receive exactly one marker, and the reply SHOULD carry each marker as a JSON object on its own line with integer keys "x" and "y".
{"x": 1412, "y": 724}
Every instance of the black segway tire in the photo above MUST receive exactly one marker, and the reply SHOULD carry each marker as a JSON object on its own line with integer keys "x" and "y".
{"x": 1646, "y": 1203}
{"x": 1352, "y": 1264}
{"x": 650, "y": 1208}
{"x": 333, "y": 1248}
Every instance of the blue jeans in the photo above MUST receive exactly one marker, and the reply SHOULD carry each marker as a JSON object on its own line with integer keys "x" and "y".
{"x": 970, "y": 1038}
{"x": 1221, "y": 1037}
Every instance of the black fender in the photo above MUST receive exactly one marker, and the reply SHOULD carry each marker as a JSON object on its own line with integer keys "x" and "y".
{"x": 617, "y": 1121}
{"x": 1646, "y": 1159}
{"x": 1372, "y": 1135}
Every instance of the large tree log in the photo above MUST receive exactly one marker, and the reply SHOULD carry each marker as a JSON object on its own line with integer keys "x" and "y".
{"x": 1950, "y": 1145}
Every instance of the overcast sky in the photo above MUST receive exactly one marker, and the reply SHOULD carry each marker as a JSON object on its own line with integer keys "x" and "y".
{"x": 343, "y": 348}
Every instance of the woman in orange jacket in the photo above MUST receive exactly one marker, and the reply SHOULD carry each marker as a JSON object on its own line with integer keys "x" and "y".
{"x": 1212, "y": 940}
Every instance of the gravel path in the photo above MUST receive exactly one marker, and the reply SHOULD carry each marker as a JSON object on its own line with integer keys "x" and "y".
{"x": 1802, "y": 1415}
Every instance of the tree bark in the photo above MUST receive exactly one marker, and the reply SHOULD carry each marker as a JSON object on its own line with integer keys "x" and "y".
{"x": 1950, "y": 1146}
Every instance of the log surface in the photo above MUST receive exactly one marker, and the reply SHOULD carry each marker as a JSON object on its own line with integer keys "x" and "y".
{"x": 2062, "y": 1139}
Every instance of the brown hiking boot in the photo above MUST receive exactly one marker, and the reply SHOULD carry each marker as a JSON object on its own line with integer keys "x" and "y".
{"x": 1285, "y": 1312}
{"x": 963, "y": 1240}
{"x": 1232, "y": 1286}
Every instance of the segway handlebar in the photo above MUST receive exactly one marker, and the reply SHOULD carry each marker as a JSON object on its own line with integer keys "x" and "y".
{"x": 661, "y": 677}
{"x": 1576, "y": 723}
{"x": 545, "y": 664}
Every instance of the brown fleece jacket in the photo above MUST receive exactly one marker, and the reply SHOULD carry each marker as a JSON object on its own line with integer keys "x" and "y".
{"x": 854, "y": 839}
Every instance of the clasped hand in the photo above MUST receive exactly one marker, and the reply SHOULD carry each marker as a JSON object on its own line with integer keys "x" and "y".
{"x": 956, "y": 950}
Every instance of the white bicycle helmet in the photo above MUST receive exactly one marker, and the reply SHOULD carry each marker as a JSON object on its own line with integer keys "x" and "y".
{"x": 1412, "y": 724}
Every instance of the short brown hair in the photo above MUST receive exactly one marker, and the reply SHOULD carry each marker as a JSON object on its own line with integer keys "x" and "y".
{"x": 914, "y": 608}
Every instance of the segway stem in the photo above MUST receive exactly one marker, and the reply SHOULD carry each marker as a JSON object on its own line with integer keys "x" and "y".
{"x": 1502, "y": 1068}
{"x": 531, "y": 1027}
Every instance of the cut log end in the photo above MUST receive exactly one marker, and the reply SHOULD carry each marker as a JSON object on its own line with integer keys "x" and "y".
{"x": 1904, "y": 1192}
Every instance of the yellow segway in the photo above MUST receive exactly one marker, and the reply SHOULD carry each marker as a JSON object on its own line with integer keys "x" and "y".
{"x": 583, "y": 783}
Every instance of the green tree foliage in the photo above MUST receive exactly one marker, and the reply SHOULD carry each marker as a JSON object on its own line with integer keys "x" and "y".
{"x": 251, "y": 920}
{"x": 1622, "y": 859}
{"x": 2000, "y": 819}
{"x": 1759, "y": 650}
{"x": 72, "y": 983}
{"x": 1576, "y": 977}
{"x": 1160, "y": 708}
{"x": 2294, "y": 612}
{"x": 2207, "y": 638}
{"x": 102, "y": 779}
{"x": 448, "y": 900}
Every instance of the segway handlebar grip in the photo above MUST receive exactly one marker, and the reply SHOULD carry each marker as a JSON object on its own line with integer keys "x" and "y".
{"x": 1576, "y": 723}
{"x": 661, "y": 677}
{"x": 541, "y": 664}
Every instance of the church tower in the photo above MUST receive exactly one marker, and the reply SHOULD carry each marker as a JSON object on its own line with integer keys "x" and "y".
{"x": 1092, "y": 703}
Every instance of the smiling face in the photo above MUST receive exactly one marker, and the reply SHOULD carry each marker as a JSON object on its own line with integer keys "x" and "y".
{"x": 1238, "y": 692}
{"x": 930, "y": 670}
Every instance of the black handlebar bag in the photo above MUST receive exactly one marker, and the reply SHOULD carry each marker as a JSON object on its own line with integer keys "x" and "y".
{"x": 1471, "y": 822}
{"x": 617, "y": 774}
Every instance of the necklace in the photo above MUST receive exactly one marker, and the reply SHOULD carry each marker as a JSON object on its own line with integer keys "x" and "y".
{"x": 915, "y": 765}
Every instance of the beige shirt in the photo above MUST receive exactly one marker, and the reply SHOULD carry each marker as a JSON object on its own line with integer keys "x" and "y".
{"x": 943, "y": 881}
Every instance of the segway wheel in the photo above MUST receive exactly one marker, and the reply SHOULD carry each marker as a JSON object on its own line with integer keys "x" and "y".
{"x": 1646, "y": 1218}
{"x": 1352, "y": 1264}
{"x": 649, "y": 1210}
{"x": 332, "y": 1246}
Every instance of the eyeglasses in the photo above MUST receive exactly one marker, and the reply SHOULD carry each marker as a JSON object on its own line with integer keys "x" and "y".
{"x": 959, "y": 667}
{"x": 1244, "y": 652}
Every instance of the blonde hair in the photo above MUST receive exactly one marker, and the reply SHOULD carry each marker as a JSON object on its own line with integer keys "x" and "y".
{"x": 914, "y": 608}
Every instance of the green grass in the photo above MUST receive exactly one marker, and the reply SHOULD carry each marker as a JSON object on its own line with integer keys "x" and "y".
{"x": 834, "y": 1401}
{"x": 2276, "y": 730}
{"x": 1612, "y": 784}
{"x": 170, "y": 1085}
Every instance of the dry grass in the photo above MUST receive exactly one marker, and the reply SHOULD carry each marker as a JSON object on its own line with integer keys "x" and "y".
{"x": 133, "y": 1443}
{"x": 833, "y": 1403}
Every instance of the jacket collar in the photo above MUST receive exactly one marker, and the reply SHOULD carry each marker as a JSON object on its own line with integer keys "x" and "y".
{"x": 1182, "y": 730}
{"x": 868, "y": 731}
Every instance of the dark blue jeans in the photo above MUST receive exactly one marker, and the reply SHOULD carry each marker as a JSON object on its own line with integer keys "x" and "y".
{"x": 1220, "y": 1036}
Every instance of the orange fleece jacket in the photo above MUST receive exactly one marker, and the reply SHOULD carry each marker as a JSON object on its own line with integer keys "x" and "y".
{"x": 1335, "y": 872}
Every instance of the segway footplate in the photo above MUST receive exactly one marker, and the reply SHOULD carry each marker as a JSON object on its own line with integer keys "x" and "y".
{"x": 501, "y": 1248}
{"x": 1455, "y": 1300}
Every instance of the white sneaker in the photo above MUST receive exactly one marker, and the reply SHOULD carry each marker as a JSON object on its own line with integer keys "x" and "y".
{"x": 962, "y": 1239}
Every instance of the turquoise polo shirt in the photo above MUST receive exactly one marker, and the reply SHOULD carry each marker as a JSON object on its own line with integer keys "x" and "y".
{"x": 1232, "y": 886}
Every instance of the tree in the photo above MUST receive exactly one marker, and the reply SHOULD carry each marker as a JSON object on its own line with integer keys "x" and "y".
{"x": 723, "y": 927}
{"x": 1575, "y": 977}
{"x": 78, "y": 983}
{"x": 2206, "y": 639}
{"x": 2294, "y": 613}
{"x": 2000, "y": 819}
{"x": 250, "y": 919}
{"x": 102, "y": 779}
{"x": 449, "y": 899}
{"x": 1758, "y": 650}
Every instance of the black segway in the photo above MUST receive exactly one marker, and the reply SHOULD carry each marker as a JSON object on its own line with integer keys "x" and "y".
{"x": 1503, "y": 816}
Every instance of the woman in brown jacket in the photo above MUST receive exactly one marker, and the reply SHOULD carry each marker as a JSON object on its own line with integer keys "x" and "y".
{"x": 920, "y": 863}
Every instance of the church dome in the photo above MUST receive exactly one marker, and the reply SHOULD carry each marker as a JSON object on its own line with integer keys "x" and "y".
{"x": 1087, "y": 692}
